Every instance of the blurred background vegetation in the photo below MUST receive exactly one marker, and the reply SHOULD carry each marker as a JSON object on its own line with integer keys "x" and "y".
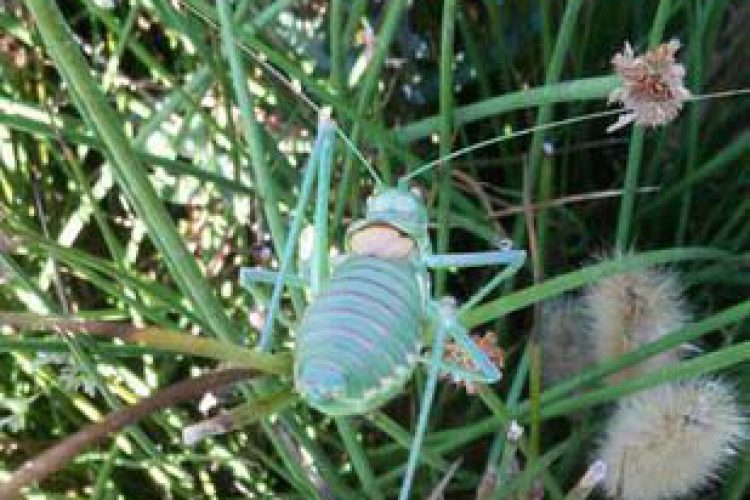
{"x": 72, "y": 240}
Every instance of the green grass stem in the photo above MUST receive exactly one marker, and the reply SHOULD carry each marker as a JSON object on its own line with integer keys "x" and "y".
{"x": 635, "y": 153}
{"x": 446, "y": 135}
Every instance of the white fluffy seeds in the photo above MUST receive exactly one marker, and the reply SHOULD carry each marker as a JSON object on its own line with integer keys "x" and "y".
{"x": 564, "y": 339}
{"x": 671, "y": 440}
{"x": 628, "y": 311}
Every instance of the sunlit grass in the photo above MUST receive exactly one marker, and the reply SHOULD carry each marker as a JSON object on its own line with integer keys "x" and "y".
{"x": 136, "y": 179}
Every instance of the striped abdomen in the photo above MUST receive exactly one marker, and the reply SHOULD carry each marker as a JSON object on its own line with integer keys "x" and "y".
{"x": 360, "y": 338}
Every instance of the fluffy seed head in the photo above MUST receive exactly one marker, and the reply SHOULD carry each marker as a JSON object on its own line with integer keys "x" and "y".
{"x": 652, "y": 91}
{"x": 670, "y": 441}
{"x": 627, "y": 311}
{"x": 564, "y": 339}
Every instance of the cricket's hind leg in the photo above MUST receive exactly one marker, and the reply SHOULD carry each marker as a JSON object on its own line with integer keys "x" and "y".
{"x": 480, "y": 367}
{"x": 482, "y": 370}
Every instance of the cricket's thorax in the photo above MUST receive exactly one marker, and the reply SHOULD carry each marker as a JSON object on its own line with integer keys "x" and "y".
{"x": 382, "y": 241}
{"x": 360, "y": 338}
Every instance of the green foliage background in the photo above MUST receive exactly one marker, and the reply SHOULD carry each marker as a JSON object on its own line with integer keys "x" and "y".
{"x": 154, "y": 227}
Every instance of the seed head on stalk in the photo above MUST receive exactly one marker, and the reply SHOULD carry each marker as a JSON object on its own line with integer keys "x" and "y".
{"x": 652, "y": 91}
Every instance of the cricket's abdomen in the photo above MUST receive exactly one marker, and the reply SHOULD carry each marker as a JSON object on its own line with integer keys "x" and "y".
{"x": 360, "y": 338}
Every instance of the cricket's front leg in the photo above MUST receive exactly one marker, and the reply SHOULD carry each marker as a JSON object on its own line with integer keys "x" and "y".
{"x": 480, "y": 368}
{"x": 321, "y": 152}
{"x": 514, "y": 259}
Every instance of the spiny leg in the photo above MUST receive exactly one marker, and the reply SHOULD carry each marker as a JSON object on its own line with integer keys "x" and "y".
{"x": 490, "y": 286}
{"x": 513, "y": 258}
{"x": 486, "y": 371}
{"x": 444, "y": 318}
{"x": 447, "y": 324}
{"x": 324, "y": 140}
{"x": 319, "y": 270}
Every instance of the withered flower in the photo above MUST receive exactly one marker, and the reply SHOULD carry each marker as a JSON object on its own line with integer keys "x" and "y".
{"x": 652, "y": 90}
{"x": 454, "y": 353}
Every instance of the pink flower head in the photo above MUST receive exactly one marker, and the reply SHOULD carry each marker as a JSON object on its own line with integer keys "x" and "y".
{"x": 652, "y": 90}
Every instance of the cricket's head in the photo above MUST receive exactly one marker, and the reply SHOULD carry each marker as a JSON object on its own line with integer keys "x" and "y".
{"x": 395, "y": 225}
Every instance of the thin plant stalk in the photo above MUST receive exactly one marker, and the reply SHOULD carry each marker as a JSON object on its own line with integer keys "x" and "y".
{"x": 583, "y": 89}
{"x": 446, "y": 135}
{"x": 697, "y": 19}
{"x": 635, "y": 151}
{"x": 702, "y": 365}
{"x": 552, "y": 75}
{"x": 155, "y": 337}
{"x": 358, "y": 458}
{"x": 723, "y": 159}
{"x": 570, "y": 281}
{"x": 337, "y": 44}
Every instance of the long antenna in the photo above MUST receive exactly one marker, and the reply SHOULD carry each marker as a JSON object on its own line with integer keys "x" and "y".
{"x": 483, "y": 144}
{"x": 281, "y": 77}
{"x": 494, "y": 140}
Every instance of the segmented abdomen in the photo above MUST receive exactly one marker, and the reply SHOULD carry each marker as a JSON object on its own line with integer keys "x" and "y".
{"x": 359, "y": 340}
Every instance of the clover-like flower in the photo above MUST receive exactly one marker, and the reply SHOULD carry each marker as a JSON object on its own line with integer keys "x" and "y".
{"x": 454, "y": 353}
{"x": 652, "y": 90}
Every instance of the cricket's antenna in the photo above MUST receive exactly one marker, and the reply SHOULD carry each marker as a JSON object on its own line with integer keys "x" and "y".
{"x": 483, "y": 144}
{"x": 494, "y": 140}
{"x": 360, "y": 157}
{"x": 718, "y": 95}
{"x": 295, "y": 89}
